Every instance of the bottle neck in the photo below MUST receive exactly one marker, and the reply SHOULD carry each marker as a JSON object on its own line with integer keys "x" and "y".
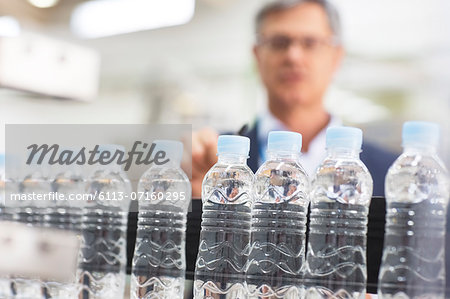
{"x": 423, "y": 149}
{"x": 114, "y": 168}
{"x": 275, "y": 155}
{"x": 343, "y": 152}
{"x": 232, "y": 159}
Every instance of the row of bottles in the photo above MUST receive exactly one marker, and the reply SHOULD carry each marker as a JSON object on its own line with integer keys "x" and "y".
{"x": 253, "y": 237}
{"x": 159, "y": 261}
{"x": 253, "y": 242}
{"x": 100, "y": 225}
{"x": 40, "y": 214}
{"x": 253, "y": 228}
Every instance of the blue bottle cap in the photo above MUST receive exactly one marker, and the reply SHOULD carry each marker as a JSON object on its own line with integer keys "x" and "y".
{"x": 233, "y": 144}
{"x": 284, "y": 141}
{"x": 344, "y": 137}
{"x": 172, "y": 148}
{"x": 420, "y": 133}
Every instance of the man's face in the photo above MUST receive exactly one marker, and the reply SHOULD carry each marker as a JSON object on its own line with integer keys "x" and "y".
{"x": 296, "y": 55}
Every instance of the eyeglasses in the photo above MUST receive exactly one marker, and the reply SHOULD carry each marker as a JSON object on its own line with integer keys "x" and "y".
{"x": 281, "y": 43}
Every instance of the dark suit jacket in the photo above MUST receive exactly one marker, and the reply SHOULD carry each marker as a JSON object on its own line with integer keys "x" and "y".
{"x": 375, "y": 158}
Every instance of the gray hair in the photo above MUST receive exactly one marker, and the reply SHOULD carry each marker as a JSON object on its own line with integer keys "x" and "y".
{"x": 281, "y": 5}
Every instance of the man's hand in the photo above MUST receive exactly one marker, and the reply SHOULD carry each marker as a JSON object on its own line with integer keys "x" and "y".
{"x": 204, "y": 150}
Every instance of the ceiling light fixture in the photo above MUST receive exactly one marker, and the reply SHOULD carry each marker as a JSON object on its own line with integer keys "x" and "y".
{"x": 101, "y": 18}
{"x": 43, "y": 3}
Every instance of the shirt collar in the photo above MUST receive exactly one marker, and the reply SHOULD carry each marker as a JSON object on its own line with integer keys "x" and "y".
{"x": 316, "y": 150}
{"x": 268, "y": 122}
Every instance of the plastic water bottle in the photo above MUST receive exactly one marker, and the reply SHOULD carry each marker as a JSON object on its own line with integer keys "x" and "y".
{"x": 104, "y": 223}
{"x": 340, "y": 197}
{"x": 281, "y": 198}
{"x": 65, "y": 215}
{"x": 226, "y": 220}
{"x": 35, "y": 183}
{"x": 159, "y": 258}
{"x": 417, "y": 192}
{"x": 9, "y": 187}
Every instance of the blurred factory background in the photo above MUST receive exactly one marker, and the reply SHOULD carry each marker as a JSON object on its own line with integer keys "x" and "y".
{"x": 186, "y": 61}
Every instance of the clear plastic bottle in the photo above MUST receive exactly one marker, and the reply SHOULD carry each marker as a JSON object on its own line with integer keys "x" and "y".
{"x": 159, "y": 258}
{"x": 9, "y": 211}
{"x": 226, "y": 220}
{"x": 35, "y": 183}
{"x": 65, "y": 215}
{"x": 417, "y": 192}
{"x": 340, "y": 197}
{"x": 281, "y": 198}
{"x": 101, "y": 267}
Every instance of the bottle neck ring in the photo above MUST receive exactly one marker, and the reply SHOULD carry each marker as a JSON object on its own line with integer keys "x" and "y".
{"x": 285, "y": 155}
{"x": 227, "y": 158}
{"x": 343, "y": 152}
{"x": 416, "y": 148}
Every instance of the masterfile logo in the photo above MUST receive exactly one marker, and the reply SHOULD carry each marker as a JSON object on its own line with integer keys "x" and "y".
{"x": 98, "y": 155}
{"x": 52, "y": 148}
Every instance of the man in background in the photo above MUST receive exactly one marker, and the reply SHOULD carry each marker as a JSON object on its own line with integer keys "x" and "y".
{"x": 298, "y": 50}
